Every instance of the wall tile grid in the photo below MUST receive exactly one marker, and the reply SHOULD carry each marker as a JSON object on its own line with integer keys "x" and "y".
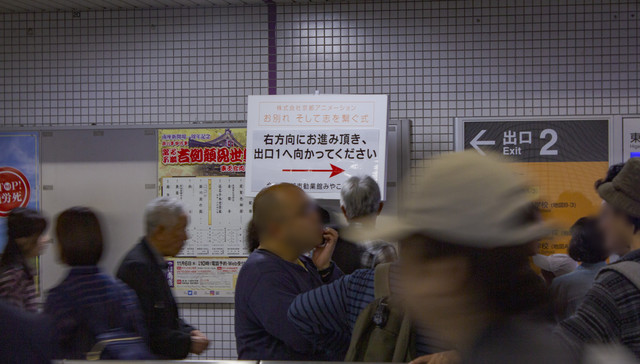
{"x": 437, "y": 60}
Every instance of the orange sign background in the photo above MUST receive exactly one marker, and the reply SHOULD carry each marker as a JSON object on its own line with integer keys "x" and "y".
{"x": 565, "y": 193}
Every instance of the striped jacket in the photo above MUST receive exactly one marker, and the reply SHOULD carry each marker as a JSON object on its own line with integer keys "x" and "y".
{"x": 610, "y": 313}
{"x": 328, "y": 314}
{"x": 17, "y": 287}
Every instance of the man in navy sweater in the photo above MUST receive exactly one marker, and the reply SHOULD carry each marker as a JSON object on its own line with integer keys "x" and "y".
{"x": 287, "y": 226}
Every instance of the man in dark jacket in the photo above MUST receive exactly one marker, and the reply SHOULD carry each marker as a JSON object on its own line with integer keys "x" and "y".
{"x": 286, "y": 227}
{"x": 143, "y": 269}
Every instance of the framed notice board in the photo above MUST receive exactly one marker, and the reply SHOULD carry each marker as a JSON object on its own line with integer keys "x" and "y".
{"x": 205, "y": 169}
{"x": 115, "y": 171}
{"x": 118, "y": 170}
{"x": 562, "y": 157}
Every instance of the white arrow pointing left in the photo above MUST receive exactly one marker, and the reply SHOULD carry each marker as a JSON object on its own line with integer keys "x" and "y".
{"x": 476, "y": 142}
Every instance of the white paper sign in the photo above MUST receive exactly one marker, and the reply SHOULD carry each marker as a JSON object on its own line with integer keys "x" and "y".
{"x": 315, "y": 141}
{"x": 203, "y": 277}
{"x": 218, "y": 214}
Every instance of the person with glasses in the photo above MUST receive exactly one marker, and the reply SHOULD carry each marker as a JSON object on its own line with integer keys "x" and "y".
{"x": 285, "y": 226}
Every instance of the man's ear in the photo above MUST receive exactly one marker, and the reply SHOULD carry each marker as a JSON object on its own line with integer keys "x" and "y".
{"x": 158, "y": 231}
{"x": 380, "y": 207}
{"x": 344, "y": 212}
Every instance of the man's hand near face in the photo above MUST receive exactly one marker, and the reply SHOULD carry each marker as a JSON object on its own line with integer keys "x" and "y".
{"x": 322, "y": 254}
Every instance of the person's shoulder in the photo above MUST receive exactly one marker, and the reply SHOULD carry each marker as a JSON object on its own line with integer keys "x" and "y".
{"x": 11, "y": 273}
{"x": 261, "y": 268}
{"x": 563, "y": 280}
{"x": 136, "y": 257}
{"x": 262, "y": 262}
{"x": 362, "y": 276}
{"x": 137, "y": 253}
{"x": 613, "y": 283}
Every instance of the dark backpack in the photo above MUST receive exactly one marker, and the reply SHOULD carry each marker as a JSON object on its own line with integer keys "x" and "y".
{"x": 112, "y": 340}
{"x": 382, "y": 333}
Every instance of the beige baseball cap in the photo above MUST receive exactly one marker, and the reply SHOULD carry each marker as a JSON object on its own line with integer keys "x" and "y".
{"x": 466, "y": 199}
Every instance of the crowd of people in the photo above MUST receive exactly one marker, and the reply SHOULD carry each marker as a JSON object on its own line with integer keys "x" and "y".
{"x": 450, "y": 280}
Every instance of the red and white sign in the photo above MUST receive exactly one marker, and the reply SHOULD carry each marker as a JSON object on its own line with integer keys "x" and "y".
{"x": 14, "y": 190}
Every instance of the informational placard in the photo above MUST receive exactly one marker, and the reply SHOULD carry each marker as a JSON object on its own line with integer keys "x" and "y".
{"x": 315, "y": 141}
{"x": 562, "y": 158}
{"x": 631, "y": 137}
{"x": 204, "y": 169}
{"x": 19, "y": 175}
{"x": 219, "y": 213}
{"x": 203, "y": 277}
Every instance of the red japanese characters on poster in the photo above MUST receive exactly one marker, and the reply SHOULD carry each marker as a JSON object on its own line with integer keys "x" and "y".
{"x": 14, "y": 190}
{"x": 201, "y": 152}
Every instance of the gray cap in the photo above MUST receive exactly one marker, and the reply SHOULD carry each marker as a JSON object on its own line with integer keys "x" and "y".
{"x": 466, "y": 199}
{"x": 623, "y": 192}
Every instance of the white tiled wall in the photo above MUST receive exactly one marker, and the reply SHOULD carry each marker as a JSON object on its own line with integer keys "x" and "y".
{"x": 436, "y": 59}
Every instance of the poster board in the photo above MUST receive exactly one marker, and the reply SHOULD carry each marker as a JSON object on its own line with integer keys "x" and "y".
{"x": 204, "y": 169}
{"x": 316, "y": 141}
{"x": 562, "y": 157}
{"x": 19, "y": 175}
{"x": 85, "y": 166}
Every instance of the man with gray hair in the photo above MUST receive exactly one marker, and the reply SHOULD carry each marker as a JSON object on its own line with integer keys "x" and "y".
{"x": 144, "y": 270}
{"x": 361, "y": 203}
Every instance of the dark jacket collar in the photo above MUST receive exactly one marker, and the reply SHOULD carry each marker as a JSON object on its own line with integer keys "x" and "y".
{"x": 153, "y": 254}
{"x": 632, "y": 255}
{"x": 84, "y": 270}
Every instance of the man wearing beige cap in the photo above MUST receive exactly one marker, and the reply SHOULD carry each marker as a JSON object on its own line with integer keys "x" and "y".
{"x": 610, "y": 312}
{"x": 465, "y": 240}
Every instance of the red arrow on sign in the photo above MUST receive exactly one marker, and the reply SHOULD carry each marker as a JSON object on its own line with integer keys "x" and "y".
{"x": 334, "y": 170}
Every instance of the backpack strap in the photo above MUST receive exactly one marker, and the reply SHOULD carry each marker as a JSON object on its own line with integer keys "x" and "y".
{"x": 381, "y": 285}
{"x": 627, "y": 268}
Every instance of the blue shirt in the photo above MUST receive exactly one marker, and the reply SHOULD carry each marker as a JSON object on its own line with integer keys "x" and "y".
{"x": 266, "y": 286}
{"x": 88, "y": 303}
{"x": 570, "y": 289}
{"x": 328, "y": 314}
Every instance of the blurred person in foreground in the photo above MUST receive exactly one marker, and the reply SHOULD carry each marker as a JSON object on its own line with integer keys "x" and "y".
{"x": 465, "y": 240}
{"x": 144, "y": 270}
{"x": 25, "y": 241}
{"x": 610, "y": 312}
{"x": 587, "y": 247}
{"x": 286, "y": 226}
{"x": 361, "y": 203}
{"x": 614, "y": 250}
{"x": 341, "y": 318}
{"x": 88, "y": 303}
{"x": 25, "y": 337}
{"x": 554, "y": 265}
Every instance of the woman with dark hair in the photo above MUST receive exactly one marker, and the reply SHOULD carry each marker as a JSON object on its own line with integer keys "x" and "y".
{"x": 25, "y": 242}
{"x": 89, "y": 303}
{"x": 586, "y": 247}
